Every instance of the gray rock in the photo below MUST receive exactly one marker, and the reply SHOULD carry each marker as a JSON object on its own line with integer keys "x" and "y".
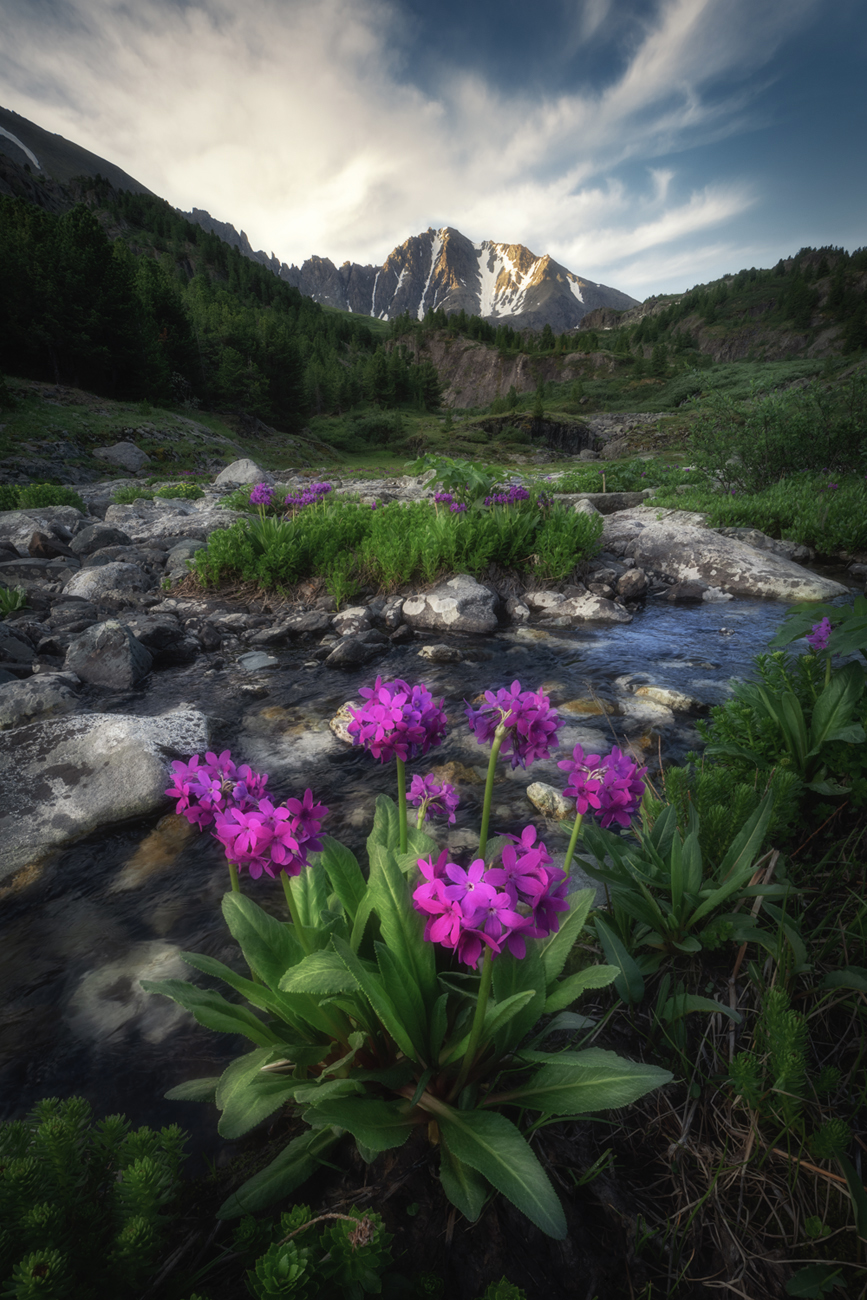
{"x": 241, "y": 472}
{"x": 125, "y": 454}
{"x": 689, "y": 554}
{"x": 543, "y": 601}
{"x": 459, "y": 605}
{"x": 13, "y": 647}
{"x": 516, "y": 609}
{"x": 595, "y": 609}
{"x": 95, "y": 537}
{"x": 392, "y": 612}
{"x": 351, "y": 651}
{"x": 632, "y": 585}
{"x": 108, "y": 655}
{"x": 93, "y": 583}
{"x": 255, "y": 661}
{"x": 686, "y": 592}
{"x": 66, "y": 777}
{"x": 44, "y": 696}
{"x": 46, "y": 546}
{"x": 153, "y": 521}
{"x": 15, "y": 573}
{"x": 550, "y": 802}
{"x": 350, "y": 622}
{"x": 18, "y": 526}
{"x": 440, "y": 654}
{"x": 606, "y": 503}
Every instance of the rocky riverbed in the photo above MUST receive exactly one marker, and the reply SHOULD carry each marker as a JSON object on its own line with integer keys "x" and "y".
{"x": 119, "y": 664}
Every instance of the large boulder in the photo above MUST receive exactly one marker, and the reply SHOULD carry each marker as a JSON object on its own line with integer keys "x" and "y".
{"x": 109, "y": 655}
{"x": 241, "y": 472}
{"x": 43, "y": 696}
{"x": 153, "y": 521}
{"x": 690, "y": 554}
{"x": 95, "y": 537}
{"x": 66, "y": 777}
{"x": 459, "y": 605}
{"x": 18, "y": 526}
{"x": 94, "y": 580}
{"x": 125, "y": 454}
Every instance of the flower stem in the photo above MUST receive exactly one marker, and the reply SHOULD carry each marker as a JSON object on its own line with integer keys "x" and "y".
{"x": 401, "y": 802}
{"x": 576, "y": 831}
{"x": 499, "y": 737}
{"x": 478, "y": 1021}
{"x": 293, "y": 912}
{"x": 828, "y": 670}
{"x": 233, "y": 875}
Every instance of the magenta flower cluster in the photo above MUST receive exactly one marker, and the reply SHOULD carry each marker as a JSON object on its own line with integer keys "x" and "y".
{"x": 818, "y": 639}
{"x": 515, "y": 494}
{"x": 398, "y": 720}
{"x": 611, "y": 787}
{"x": 434, "y": 798}
{"x": 313, "y": 493}
{"x": 261, "y": 495}
{"x": 530, "y": 723}
{"x": 255, "y": 833}
{"x": 478, "y": 907}
{"x": 443, "y": 498}
{"x": 458, "y": 507}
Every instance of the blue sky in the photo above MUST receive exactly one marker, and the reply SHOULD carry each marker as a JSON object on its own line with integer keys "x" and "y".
{"x": 646, "y": 144}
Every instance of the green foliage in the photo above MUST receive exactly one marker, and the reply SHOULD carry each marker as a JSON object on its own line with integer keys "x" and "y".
{"x": 48, "y": 494}
{"x": 12, "y": 598}
{"x": 467, "y": 480}
{"x": 346, "y": 543}
{"x": 82, "y": 1205}
{"x": 777, "y": 435}
{"x": 504, "y": 1290}
{"x": 792, "y": 719}
{"x": 180, "y": 491}
{"x": 848, "y": 626}
{"x": 126, "y": 495}
{"x": 314, "y": 1259}
{"x": 360, "y": 993}
{"x": 8, "y": 497}
{"x": 627, "y": 476}
{"x": 665, "y": 899}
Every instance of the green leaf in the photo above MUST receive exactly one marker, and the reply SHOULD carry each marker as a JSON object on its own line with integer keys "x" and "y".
{"x": 246, "y": 1096}
{"x": 519, "y": 975}
{"x": 292, "y": 1167}
{"x": 581, "y": 1083}
{"x": 214, "y": 1012}
{"x": 497, "y": 1015}
{"x": 379, "y": 1125}
{"x": 629, "y": 983}
{"x": 464, "y": 1187}
{"x": 406, "y": 999}
{"x": 847, "y": 977}
{"x": 814, "y": 1281}
{"x": 259, "y": 994}
{"x": 565, "y": 993}
{"x": 359, "y": 925}
{"x": 402, "y": 926}
{"x": 683, "y": 1003}
{"x": 835, "y": 706}
{"x": 438, "y": 1025}
{"x": 269, "y": 946}
{"x": 491, "y": 1144}
{"x": 377, "y": 997}
{"x": 556, "y": 948}
{"x": 737, "y": 865}
{"x": 194, "y": 1090}
{"x": 385, "y": 832}
{"x": 319, "y": 974}
{"x": 310, "y": 893}
{"x": 312, "y": 1093}
{"x": 341, "y": 866}
{"x": 857, "y": 1193}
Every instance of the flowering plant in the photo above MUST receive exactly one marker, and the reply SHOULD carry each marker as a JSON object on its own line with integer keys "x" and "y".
{"x": 403, "y": 996}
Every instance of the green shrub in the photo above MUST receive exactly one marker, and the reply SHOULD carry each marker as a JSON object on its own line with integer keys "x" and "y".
{"x": 82, "y": 1204}
{"x": 126, "y": 496}
{"x": 314, "y": 1259}
{"x": 180, "y": 491}
{"x": 12, "y": 598}
{"x": 37, "y": 495}
{"x": 8, "y": 497}
{"x": 376, "y": 427}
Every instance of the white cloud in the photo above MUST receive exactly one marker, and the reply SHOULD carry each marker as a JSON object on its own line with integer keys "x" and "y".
{"x": 298, "y": 121}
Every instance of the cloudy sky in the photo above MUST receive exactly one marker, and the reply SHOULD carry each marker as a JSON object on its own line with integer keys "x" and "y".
{"x": 647, "y": 144}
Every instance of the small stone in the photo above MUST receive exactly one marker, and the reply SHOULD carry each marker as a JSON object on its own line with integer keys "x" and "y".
{"x": 670, "y": 698}
{"x": 440, "y": 654}
{"x": 550, "y": 802}
{"x": 256, "y": 661}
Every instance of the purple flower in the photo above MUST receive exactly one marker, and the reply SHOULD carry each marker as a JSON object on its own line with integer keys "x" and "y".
{"x": 530, "y": 722}
{"x": 272, "y": 839}
{"x": 398, "y": 720}
{"x": 261, "y": 495}
{"x": 203, "y": 789}
{"x": 443, "y": 498}
{"x": 458, "y": 507}
{"x": 820, "y": 635}
{"x": 612, "y": 787}
{"x": 434, "y": 799}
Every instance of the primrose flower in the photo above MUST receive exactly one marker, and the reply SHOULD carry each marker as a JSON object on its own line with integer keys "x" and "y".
{"x": 458, "y": 507}
{"x": 494, "y": 907}
{"x": 261, "y": 495}
{"x": 272, "y": 839}
{"x": 433, "y": 798}
{"x": 611, "y": 787}
{"x": 398, "y": 720}
{"x": 531, "y": 724}
{"x": 443, "y": 498}
{"x": 204, "y": 789}
{"x": 820, "y": 635}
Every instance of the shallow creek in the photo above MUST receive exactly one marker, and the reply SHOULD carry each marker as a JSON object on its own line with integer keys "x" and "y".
{"x": 120, "y": 906}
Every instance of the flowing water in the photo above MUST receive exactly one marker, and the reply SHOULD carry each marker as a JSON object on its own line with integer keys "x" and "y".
{"x": 77, "y": 935}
